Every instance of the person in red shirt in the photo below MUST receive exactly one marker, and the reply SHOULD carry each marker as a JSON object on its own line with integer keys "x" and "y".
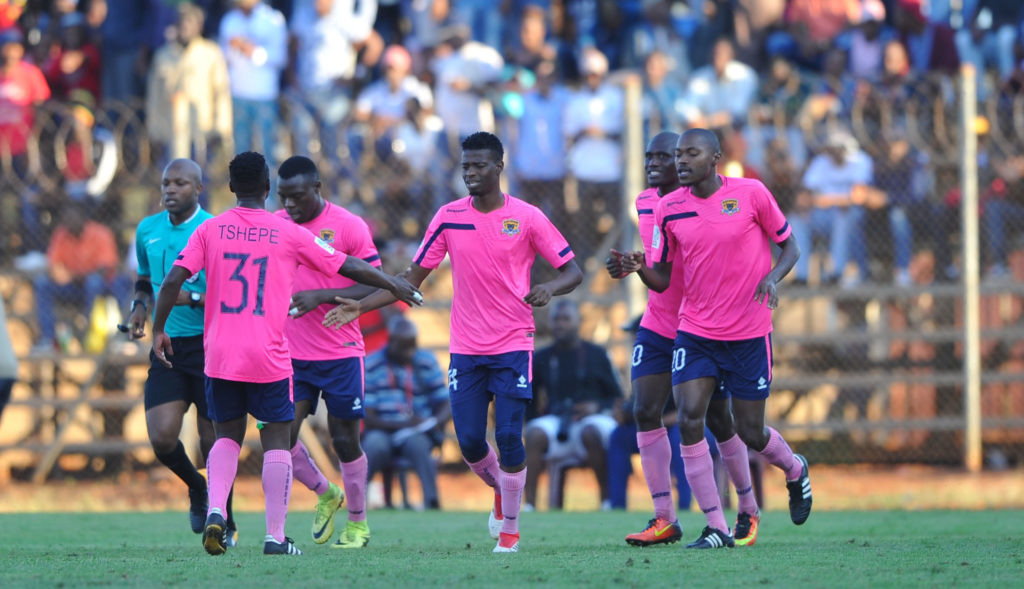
{"x": 22, "y": 89}
{"x": 83, "y": 263}
{"x": 74, "y": 62}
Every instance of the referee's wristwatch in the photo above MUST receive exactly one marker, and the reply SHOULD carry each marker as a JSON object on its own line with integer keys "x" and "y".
{"x": 194, "y": 299}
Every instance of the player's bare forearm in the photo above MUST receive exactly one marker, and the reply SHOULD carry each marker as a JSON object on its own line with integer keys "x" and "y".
{"x": 398, "y": 286}
{"x": 306, "y": 300}
{"x": 787, "y": 259}
{"x": 569, "y": 277}
{"x": 656, "y": 278}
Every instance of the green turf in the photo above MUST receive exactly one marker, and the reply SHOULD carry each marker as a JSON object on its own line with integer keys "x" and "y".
{"x": 414, "y": 550}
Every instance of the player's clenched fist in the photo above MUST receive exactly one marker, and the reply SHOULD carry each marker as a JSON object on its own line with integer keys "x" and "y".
{"x": 405, "y": 292}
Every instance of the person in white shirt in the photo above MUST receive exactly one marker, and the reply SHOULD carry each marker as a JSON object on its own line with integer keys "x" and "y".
{"x": 592, "y": 127}
{"x": 719, "y": 94}
{"x": 254, "y": 38}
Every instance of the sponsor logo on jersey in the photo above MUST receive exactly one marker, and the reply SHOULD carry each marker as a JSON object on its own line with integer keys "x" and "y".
{"x": 324, "y": 245}
{"x": 730, "y": 206}
{"x": 656, "y": 238}
{"x": 510, "y": 226}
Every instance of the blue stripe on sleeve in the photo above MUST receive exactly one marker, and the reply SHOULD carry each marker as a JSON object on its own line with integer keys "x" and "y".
{"x": 436, "y": 234}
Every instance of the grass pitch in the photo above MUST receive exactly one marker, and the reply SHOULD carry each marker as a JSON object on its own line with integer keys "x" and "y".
{"x": 452, "y": 549}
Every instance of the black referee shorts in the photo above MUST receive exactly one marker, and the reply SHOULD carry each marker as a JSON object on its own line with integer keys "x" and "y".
{"x": 184, "y": 382}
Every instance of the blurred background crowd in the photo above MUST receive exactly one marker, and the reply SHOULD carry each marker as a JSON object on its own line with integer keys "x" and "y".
{"x": 846, "y": 109}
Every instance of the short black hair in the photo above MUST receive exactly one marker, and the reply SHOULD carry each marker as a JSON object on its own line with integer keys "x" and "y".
{"x": 248, "y": 173}
{"x": 484, "y": 140}
{"x": 298, "y": 165}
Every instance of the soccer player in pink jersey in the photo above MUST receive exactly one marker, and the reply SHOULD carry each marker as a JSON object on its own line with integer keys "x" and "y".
{"x": 492, "y": 239}
{"x": 325, "y": 360}
{"x": 652, "y": 376}
{"x": 250, "y": 257}
{"x": 720, "y": 230}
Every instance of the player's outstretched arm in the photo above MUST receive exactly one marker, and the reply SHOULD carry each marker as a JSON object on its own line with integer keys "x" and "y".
{"x": 350, "y": 309}
{"x": 306, "y": 300}
{"x": 164, "y": 303}
{"x": 766, "y": 289}
{"x": 398, "y": 286}
{"x": 569, "y": 277}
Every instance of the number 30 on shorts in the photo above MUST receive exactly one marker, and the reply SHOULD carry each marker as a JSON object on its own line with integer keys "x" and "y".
{"x": 678, "y": 359}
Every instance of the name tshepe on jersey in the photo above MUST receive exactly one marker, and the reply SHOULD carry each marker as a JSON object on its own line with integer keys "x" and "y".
{"x": 254, "y": 234}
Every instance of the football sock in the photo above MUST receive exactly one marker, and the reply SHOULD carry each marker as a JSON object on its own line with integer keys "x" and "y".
{"x": 700, "y": 473}
{"x": 178, "y": 461}
{"x": 354, "y": 474}
{"x": 306, "y": 471}
{"x": 487, "y": 468}
{"x": 777, "y": 452}
{"x": 277, "y": 486}
{"x": 221, "y": 467}
{"x": 511, "y": 484}
{"x": 655, "y": 458}
{"x": 737, "y": 462}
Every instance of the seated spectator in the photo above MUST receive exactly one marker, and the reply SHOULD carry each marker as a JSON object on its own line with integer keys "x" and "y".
{"x": 188, "y": 97}
{"x": 838, "y": 180}
{"x": 774, "y": 114}
{"x": 420, "y": 159}
{"x": 407, "y": 408}
{"x": 83, "y": 265}
{"x": 1004, "y": 209}
{"x": 901, "y": 174}
{"x": 989, "y": 37}
{"x": 866, "y": 42}
{"x": 383, "y": 104}
{"x": 575, "y": 389}
{"x": 662, "y": 91}
{"x": 930, "y": 43}
{"x": 720, "y": 94}
{"x": 22, "y": 89}
{"x": 75, "y": 62}
{"x": 811, "y": 27}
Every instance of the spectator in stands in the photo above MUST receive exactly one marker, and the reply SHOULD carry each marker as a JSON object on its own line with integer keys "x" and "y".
{"x": 534, "y": 48}
{"x": 901, "y": 172}
{"x": 122, "y": 32}
{"x": 720, "y": 94}
{"x": 811, "y": 27}
{"x": 775, "y": 114}
{"x": 1004, "y": 209}
{"x": 593, "y": 126}
{"x": 866, "y": 42}
{"x": 930, "y": 43}
{"x": 407, "y": 407}
{"x": 539, "y": 151}
{"x": 662, "y": 91}
{"x": 465, "y": 71}
{"x": 83, "y": 264}
{"x": 326, "y": 37}
{"x": 838, "y": 180}
{"x": 22, "y": 89}
{"x": 188, "y": 99}
{"x": 657, "y": 32}
{"x": 990, "y": 35}
{"x": 254, "y": 38}
{"x": 8, "y": 363}
{"x": 420, "y": 158}
{"x": 833, "y": 94}
{"x": 383, "y": 104}
{"x": 575, "y": 391}
{"x": 75, "y": 62}
{"x": 483, "y": 18}
{"x": 753, "y": 21}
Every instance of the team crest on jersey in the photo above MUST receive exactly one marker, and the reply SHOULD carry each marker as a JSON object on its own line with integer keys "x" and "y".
{"x": 510, "y": 226}
{"x": 327, "y": 235}
{"x": 730, "y": 206}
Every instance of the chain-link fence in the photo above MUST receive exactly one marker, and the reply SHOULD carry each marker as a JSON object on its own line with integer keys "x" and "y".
{"x": 869, "y": 339}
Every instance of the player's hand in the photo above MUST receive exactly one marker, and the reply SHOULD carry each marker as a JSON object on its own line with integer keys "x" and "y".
{"x": 767, "y": 292}
{"x": 613, "y": 263}
{"x": 633, "y": 261}
{"x": 406, "y": 292}
{"x": 347, "y": 311}
{"x": 137, "y": 323}
{"x": 539, "y": 295}
{"x": 162, "y": 348}
{"x": 303, "y": 302}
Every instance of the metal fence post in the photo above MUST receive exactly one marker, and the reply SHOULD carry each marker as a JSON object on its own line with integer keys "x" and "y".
{"x": 633, "y": 149}
{"x": 971, "y": 268}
